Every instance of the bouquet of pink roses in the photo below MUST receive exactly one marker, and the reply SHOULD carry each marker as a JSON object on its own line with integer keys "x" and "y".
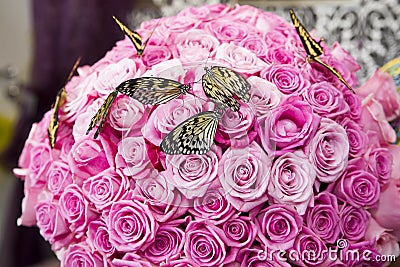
{"x": 303, "y": 174}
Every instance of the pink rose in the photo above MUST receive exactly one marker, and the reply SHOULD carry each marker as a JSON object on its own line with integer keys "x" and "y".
{"x": 369, "y": 256}
{"x": 58, "y": 177}
{"x": 105, "y": 188}
{"x": 386, "y": 243}
{"x": 194, "y": 45}
{"x": 289, "y": 80}
{"x": 358, "y": 139}
{"x": 228, "y": 31}
{"x": 80, "y": 254}
{"x": 255, "y": 44}
{"x": 212, "y": 206}
{"x": 239, "y": 59}
{"x": 244, "y": 175}
{"x": 323, "y": 218}
{"x": 206, "y": 12}
{"x": 163, "y": 201}
{"x": 264, "y": 96}
{"x": 170, "y": 27}
{"x": 132, "y": 158}
{"x": 387, "y": 211}
{"x": 127, "y": 116}
{"x": 343, "y": 56}
{"x": 354, "y": 103}
{"x": 238, "y": 231}
{"x": 256, "y": 256}
{"x": 277, "y": 226}
{"x": 52, "y": 225}
{"x": 99, "y": 238}
{"x": 383, "y": 89}
{"x": 292, "y": 180}
{"x": 236, "y": 128}
{"x": 395, "y": 154}
{"x": 353, "y": 222}
{"x": 245, "y": 14}
{"x": 76, "y": 209}
{"x": 41, "y": 157}
{"x": 379, "y": 162}
{"x": 203, "y": 246}
{"x": 131, "y": 225}
{"x": 168, "y": 243}
{"x": 326, "y": 100}
{"x": 291, "y": 126}
{"x": 131, "y": 259}
{"x": 193, "y": 174}
{"x": 329, "y": 150}
{"x": 277, "y": 55}
{"x": 155, "y": 55}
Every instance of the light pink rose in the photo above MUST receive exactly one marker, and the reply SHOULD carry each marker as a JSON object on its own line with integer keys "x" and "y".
{"x": 383, "y": 89}
{"x": 52, "y": 225}
{"x": 395, "y": 152}
{"x": 244, "y": 175}
{"x": 353, "y": 222}
{"x": 358, "y": 139}
{"x": 354, "y": 102}
{"x": 127, "y": 116}
{"x": 255, "y": 44}
{"x": 246, "y": 14}
{"x": 380, "y": 162}
{"x": 292, "y": 180}
{"x": 386, "y": 243}
{"x": 206, "y": 12}
{"x": 228, "y": 31}
{"x": 172, "y": 26}
{"x": 76, "y": 209}
{"x": 41, "y": 157}
{"x": 80, "y": 253}
{"x": 155, "y": 55}
{"x": 268, "y": 21}
{"x": 239, "y": 59}
{"x": 289, "y": 80}
{"x": 329, "y": 150}
{"x": 193, "y": 174}
{"x": 58, "y": 177}
{"x": 387, "y": 212}
{"x": 345, "y": 57}
{"x": 98, "y": 238}
{"x": 374, "y": 122}
{"x": 105, "y": 188}
{"x": 131, "y": 225}
{"x": 264, "y": 96}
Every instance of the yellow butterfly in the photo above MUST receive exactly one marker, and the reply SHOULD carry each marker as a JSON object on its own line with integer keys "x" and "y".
{"x": 134, "y": 37}
{"x": 313, "y": 48}
{"x": 193, "y": 136}
{"x": 60, "y": 98}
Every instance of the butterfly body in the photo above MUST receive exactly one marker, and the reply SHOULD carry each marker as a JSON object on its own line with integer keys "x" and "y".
{"x": 220, "y": 84}
{"x": 314, "y": 49}
{"x": 193, "y": 136}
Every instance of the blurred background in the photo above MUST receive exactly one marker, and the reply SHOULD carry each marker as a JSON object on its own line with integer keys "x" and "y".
{"x": 40, "y": 40}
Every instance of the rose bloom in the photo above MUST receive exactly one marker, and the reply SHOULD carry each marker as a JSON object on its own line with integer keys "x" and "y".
{"x": 289, "y": 80}
{"x": 105, "y": 188}
{"x": 256, "y": 256}
{"x": 238, "y": 59}
{"x": 383, "y": 89}
{"x": 52, "y": 225}
{"x": 132, "y": 159}
{"x": 395, "y": 155}
{"x": 155, "y": 55}
{"x": 291, "y": 126}
{"x": 168, "y": 243}
{"x": 326, "y": 100}
{"x": 354, "y": 103}
{"x": 203, "y": 246}
{"x": 80, "y": 255}
{"x": 41, "y": 157}
{"x": 244, "y": 13}
{"x": 277, "y": 55}
{"x": 367, "y": 248}
{"x": 277, "y": 225}
{"x": 329, "y": 150}
{"x": 357, "y": 186}
{"x": 228, "y": 31}
{"x": 205, "y": 13}
{"x": 213, "y": 205}
{"x": 292, "y": 180}
{"x": 164, "y": 202}
{"x": 308, "y": 249}
{"x": 358, "y": 139}
{"x": 323, "y": 218}
{"x": 255, "y": 44}
{"x": 386, "y": 243}
{"x": 342, "y": 55}
{"x": 264, "y": 96}
{"x": 170, "y": 27}
{"x": 193, "y": 174}
{"x": 380, "y": 164}
{"x": 353, "y": 222}
{"x": 76, "y": 209}
{"x": 130, "y": 259}
{"x": 58, "y": 177}
{"x": 99, "y": 239}
{"x": 131, "y": 225}
{"x": 244, "y": 175}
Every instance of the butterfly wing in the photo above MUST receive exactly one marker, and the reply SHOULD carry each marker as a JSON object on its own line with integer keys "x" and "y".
{"x": 232, "y": 81}
{"x": 193, "y": 136}
{"x": 335, "y": 72}
{"x": 152, "y": 90}
{"x": 216, "y": 93}
{"x": 60, "y": 98}
{"x": 312, "y": 47}
{"x": 101, "y": 114}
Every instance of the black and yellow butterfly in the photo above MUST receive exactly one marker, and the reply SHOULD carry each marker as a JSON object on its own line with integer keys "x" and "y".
{"x": 60, "y": 98}
{"x": 313, "y": 48}
{"x": 147, "y": 90}
{"x": 221, "y": 84}
{"x": 193, "y": 136}
{"x": 134, "y": 37}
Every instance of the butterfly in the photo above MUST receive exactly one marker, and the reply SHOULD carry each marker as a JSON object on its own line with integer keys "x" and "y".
{"x": 313, "y": 48}
{"x": 220, "y": 84}
{"x": 146, "y": 90}
{"x": 60, "y": 98}
{"x": 134, "y": 37}
{"x": 194, "y": 135}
